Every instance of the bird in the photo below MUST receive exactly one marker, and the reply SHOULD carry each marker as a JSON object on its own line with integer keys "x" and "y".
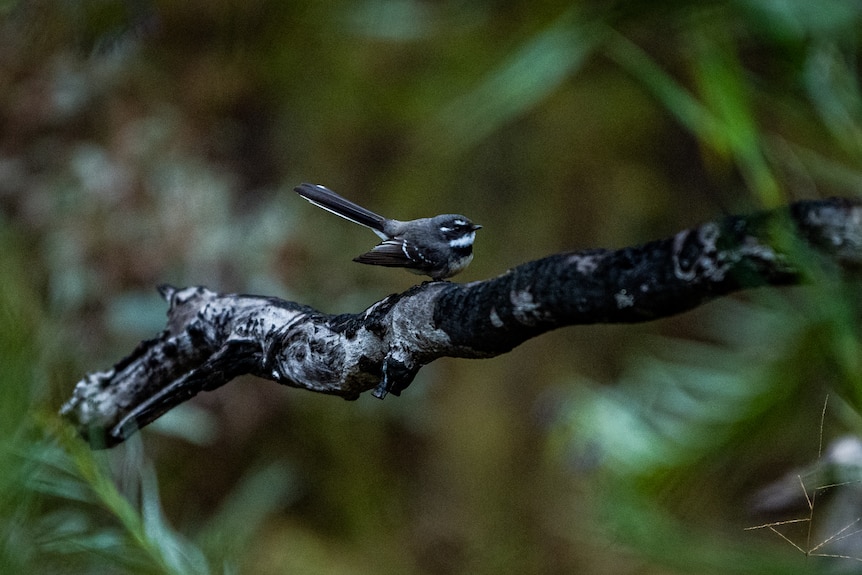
{"x": 439, "y": 247}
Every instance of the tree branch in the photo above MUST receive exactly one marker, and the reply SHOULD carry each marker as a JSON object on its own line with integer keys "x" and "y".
{"x": 212, "y": 338}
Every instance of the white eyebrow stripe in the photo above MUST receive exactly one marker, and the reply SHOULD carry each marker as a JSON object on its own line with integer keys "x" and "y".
{"x": 463, "y": 241}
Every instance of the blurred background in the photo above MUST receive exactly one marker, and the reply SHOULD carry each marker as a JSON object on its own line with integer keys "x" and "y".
{"x": 147, "y": 142}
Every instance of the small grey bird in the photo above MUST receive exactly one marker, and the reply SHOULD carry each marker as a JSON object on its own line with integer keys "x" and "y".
{"x": 439, "y": 247}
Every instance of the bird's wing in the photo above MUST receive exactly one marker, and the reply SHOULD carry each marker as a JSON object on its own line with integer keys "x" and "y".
{"x": 390, "y": 253}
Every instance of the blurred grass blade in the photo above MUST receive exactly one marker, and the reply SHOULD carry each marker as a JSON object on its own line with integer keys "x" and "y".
{"x": 722, "y": 82}
{"x": 833, "y": 86}
{"x": 671, "y": 409}
{"x": 724, "y": 122}
{"x": 532, "y": 72}
{"x": 263, "y": 491}
{"x": 148, "y": 539}
{"x": 179, "y": 555}
{"x": 817, "y": 166}
{"x": 678, "y": 101}
{"x": 666, "y": 540}
{"x": 396, "y": 20}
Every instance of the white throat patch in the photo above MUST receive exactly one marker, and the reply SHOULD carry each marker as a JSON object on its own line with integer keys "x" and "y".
{"x": 464, "y": 241}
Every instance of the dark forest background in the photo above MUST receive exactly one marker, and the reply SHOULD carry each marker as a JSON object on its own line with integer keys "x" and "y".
{"x": 145, "y": 142}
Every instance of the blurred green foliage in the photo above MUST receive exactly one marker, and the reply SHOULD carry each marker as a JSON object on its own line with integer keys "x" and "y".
{"x": 145, "y": 142}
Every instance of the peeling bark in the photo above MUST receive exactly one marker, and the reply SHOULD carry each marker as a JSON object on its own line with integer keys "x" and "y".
{"x": 212, "y": 338}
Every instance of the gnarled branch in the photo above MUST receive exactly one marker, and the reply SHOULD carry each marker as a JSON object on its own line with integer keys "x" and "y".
{"x": 212, "y": 338}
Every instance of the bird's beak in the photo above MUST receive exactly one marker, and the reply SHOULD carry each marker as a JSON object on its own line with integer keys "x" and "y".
{"x": 476, "y": 227}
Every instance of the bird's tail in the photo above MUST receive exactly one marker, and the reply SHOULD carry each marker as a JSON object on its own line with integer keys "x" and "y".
{"x": 325, "y": 198}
